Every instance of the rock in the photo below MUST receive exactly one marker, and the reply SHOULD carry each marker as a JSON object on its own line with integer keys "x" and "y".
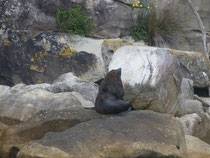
{"x": 136, "y": 134}
{"x": 190, "y": 106}
{"x": 190, "y": 123}
{"x": 109, "y": 47}
{"x": 40, "y": 15}
{"x": 186, "y": 89}
{"x": 68, "y": 83}
{"x": 4, "y": 90}
{"x": 153, "y": 84}
{"x": 44, "y": 122}
{"x": 30, "y": 58}
{"x": 23, "y": 105}
{"x": 196, "y": 148}
{"x": 194, "y": 66}
{"x": 187, "y": 104}
{"x": 148, "y": 76}
{"x": 198, "y": 126}
{"x": 204, "y": 100}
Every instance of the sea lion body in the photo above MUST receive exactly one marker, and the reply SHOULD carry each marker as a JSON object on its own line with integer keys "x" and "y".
{"x": 110, "y": 96}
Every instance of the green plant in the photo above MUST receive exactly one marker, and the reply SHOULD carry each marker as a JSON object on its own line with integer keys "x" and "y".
{"x": 74, "y": 22}
{"x": 159, "y": 27}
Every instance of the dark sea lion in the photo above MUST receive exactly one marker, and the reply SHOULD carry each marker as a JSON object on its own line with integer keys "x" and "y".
{"x": 110, "y": 96}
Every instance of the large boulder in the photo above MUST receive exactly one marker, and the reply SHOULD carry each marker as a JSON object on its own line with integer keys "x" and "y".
{"x": 152, "y": 76}
{"x": 41, "y": 15}
{"x": 30, "y": 57}
{"x": 149, "y": 77}
{"x": 136, "y": 134}
{"x": 21, "y": 106}
{"x": 41, "y": 123}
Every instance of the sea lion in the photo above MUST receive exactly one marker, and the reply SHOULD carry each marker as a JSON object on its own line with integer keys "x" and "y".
{"x": 110, "y": 96}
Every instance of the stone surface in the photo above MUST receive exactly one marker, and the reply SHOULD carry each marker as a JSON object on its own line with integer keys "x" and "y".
{"x": 148, "y": 77}
{"x": 153, "y": 84}
{"x": 196, "y": 148}
{"x": 34, "y": 57}
{"x": 136, "y": 134}
{"x": 189, "y": 107}
{"x": 23, "y": 105}
{"x": 197, "y": 125}
{"x": 109, "y": 47}
{"x": 40, "y": 15}
{"x": 194, "y": 66}
{"x": 44, "y": 122}
{"x": 4, "y": 90}
{"x": 68, "y": 83}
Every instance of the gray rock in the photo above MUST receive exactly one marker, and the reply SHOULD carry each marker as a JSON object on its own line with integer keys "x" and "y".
{"x": 198, "y": 126}
{"x": 190, "y": 123}
{"x": 4, "y": 90}
{"x": 69, "y": 83}
{"x": 136, "y": 134}
{"x": 194, "y": 66}
{"x": 31, "y": 58}
{"x": 149, "y": 77}
{"x": 23, "y": 105}
{"x": 190, "y": 106}
{"x": 186, "y": 89}
{"x": 35, "y": 15}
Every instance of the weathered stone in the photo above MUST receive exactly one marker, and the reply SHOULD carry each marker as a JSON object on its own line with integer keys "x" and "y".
{"x": 197, "y": 125}
{"x": 196, "y": 148}
{"x": 4, "y": 90}
{"x": 43, "y": 122}
{"x": 190, "y": 106}
{"x": 41, "y": 15}
{"x": 136, "y": 134}
{"x": 194, "y": 66}
{"x": 23, "y": 105}
{"x": 149, "y": 77}
{"x": 186, "y": 89}
{"x": 40, "y": 58}
{"x": 186, "y": 103}
{"x": 68, "y": 83}
{"x": 109, "y": 47}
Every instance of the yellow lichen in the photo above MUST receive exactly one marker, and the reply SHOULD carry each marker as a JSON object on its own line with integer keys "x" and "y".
{"x": 6, "y": 42}
{"x": 32, "y": 60}
{"x": 67, "y": 53}
{"x": 35, "y": 68}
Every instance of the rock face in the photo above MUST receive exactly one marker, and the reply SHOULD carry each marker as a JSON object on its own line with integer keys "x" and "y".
{"x": 137, "y": 134}
{"x": 21, "y": 106}
{"x": 152, "y": 76}
{"x": 40, "y": 15}
{"x": 196, "y": 148}
{"x": 21, "y": 102}
{"x": 197, "y": 125}
{"x": 42, "y": 57}
{"x": 187, "y": 103}
{"x": 148, "y": 77}
{"x": 69, "y": 83}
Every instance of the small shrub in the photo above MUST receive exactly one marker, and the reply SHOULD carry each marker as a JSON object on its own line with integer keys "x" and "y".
{"x": 160, "y": 27}
{"x": 74, "y": 22}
